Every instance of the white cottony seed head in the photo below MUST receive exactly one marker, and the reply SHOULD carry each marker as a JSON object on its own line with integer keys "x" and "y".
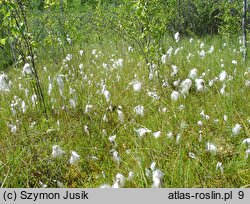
{"x": 170, "y": 135}
{"x": 27, "y": 69}
{"x": 199, "y": 123}
{"x": 119, "y": 182}
{"x": 139, "y": 110}
{"x": 153, "y": 165}
{"x": 185, "y": 86}
{"x": 175, "y": 95}
{"x": 220, "y": 166}
{"x": 136, "y": 85}
{"x": 142, "y": 131}
{"x": 211, "y": 147}
{"x": 157, "y": 134}
{"x": 223, "y": 75}
{"x": 4, "y": 84}
{"x": 246, "y": 141}
{"x": 192, "y": 155}
{"x": 57, "y": 151}
{"x": 131, "y": 175}
{"x": 193, "y": 73}
{"x": 236, "y": 129}
{"x": 200, "y": 85}
{"x": 74, "y": 158}
{"x": 177, "y": 37}
{"x": 247, "y": 153}
{"x": 157, "y": 178}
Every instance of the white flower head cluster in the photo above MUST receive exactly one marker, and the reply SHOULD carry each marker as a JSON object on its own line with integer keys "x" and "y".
{"x": 119, "y": 181}
{"x": 220, "y": 166}
{"x": 57, "y": 151}
{"x": 4, "y": 83}
{"x": 177, "y": 37}
{"x": 74, "y": 158}
{"x": 236, "y": 129}
{"x": 27, "y": 69}
{"x": 210, "y": 147}
{"x": 142, "y": 131}
{"x": 157, "y": 178}
{"x": 139, "y": 110}
{"x": 136, "y": 85}
{"x": 185, "y": 86}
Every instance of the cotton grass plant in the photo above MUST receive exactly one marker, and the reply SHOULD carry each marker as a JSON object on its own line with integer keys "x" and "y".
{"x": 106, "y": 119}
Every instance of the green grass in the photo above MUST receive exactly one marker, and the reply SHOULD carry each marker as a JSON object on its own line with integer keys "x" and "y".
{"x": 26, "y": 155}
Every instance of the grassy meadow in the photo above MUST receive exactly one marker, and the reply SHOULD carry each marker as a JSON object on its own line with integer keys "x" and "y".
{"x": 127, "y": 130}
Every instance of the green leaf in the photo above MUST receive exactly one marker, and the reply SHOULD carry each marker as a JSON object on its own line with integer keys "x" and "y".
{"x": 3, "y": 41}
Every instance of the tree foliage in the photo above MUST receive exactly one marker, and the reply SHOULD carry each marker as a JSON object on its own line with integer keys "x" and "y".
{"x": 17, "y": 33}
{"x": 142, "y": 23}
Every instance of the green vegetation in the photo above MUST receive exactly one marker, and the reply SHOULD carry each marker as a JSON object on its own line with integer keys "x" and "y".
{"x": 114, "y": 82}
